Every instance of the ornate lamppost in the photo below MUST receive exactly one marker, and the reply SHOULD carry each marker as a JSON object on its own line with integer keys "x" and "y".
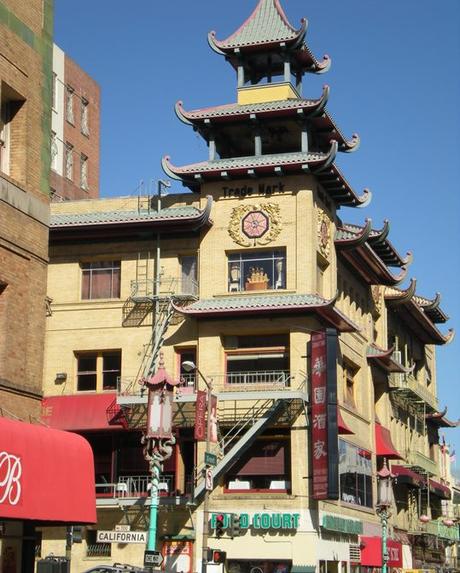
{"x": 158, "y": 440}
{"x": 383, "y": 508}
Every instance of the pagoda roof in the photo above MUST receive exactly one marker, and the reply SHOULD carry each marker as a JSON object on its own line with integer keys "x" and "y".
{"x": 371, "y": 253}
{"x": 407, "y": 304}
{"x": 171, "y": 219}
{"x": 384, "y": 359}
{"x": 245, "y": 305}
{"x": 439, "y": 419}
{"x": 267, "y": 28}
{"x": 320, "y": 164}
{"x": 319, "y": 118}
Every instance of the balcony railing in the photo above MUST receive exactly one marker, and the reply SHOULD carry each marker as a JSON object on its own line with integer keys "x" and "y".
{"x": 137, "y": 486}
{"x": 419, "y": 460}
{"x": 167, "y": 286}
{"x": 99, "y": 550}
{"x": 278, "y": 379}
{"x": 413, "y": 387}
{"x": 438, "y": 528}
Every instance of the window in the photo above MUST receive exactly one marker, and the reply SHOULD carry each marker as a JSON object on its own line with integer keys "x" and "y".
{"x": 349, "y": 374}
{"x": 54, "y": 152}
{"x": 13, "y": 133}
{"x": 189, "y": 283}
{"x": 257, "y": 360}
{"x": 3, "y": 326}
{"x": 355, "y": 473}
{"x": 83, "y": 171}
{"x": 84, "y": 112}
{"x": 69, "y": 161}
{"x": 188, "y": 379}
{"x": 257, "y": 270}
{"x": 265, "y": 466}
{"x": 94, "y": 549}
{"x": 98, "y": 370}
{"x": 69, "y": 115}
{"x": 100, "y": 279}
{"x": 5, "y": 119}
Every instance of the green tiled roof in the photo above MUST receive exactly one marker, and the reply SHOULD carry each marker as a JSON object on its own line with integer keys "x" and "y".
{"x": 267, "y": 24}
{"x": 257, "y": 301}
{"x": 97, "y": 218}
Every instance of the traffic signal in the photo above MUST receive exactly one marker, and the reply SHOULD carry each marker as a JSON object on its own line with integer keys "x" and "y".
{"x": 218, "y": 556}
{"x": 235, "y": 526}
{"x": 220, "y": 518}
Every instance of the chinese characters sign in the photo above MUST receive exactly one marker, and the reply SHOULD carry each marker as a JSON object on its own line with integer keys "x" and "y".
{"x": 324, "y": 414}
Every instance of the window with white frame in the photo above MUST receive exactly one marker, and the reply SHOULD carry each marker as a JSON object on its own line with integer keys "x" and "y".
{"x": 257, "y": 270}
{"x": 355, "y": 473}
{"x": 84, "y": 116}
{"x": 83, "y": 171}
{"x": 54, "y": 151}
{"x": 69, "y": 111}
{"x": 69, "y": 161}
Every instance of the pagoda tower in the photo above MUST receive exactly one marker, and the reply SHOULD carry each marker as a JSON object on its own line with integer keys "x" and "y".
{"x": 271, "y": 130}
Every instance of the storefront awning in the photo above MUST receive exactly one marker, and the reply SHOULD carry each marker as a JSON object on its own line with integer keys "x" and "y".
{"x": 45, "y": 475}
{"x": 342, "y": 427}
{"x": 407, "y": 476}
{"x": 383, "y": 444}
{"x": 439, "y": 489}
{"x": 80, "y": 412}
{"x": 371, "y": 552}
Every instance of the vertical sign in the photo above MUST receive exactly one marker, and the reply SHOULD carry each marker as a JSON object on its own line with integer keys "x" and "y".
{"x": 213, "y": 421}
{"x": 324, "y": 436}
{"x": 208, "y": 479}
{"x": 200, "y": 416}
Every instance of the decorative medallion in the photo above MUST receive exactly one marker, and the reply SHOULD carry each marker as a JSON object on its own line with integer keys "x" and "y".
{"x": 324, "y": 234}
{"x": 377, "y": 297}
{"x": 255, "y": 224}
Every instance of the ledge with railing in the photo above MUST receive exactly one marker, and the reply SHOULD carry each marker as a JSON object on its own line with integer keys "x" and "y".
{"x": 411, "y": 385}
{"x": 270, "y": 379}
{"x": 166, "y": 286}
{"x": 419, "y": 460}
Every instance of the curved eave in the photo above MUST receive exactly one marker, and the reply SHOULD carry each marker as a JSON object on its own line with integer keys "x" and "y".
{"x": 325, "y": 311}
{"x": 439, "y": 420}
{"x": 371, "y": 268}
{"x": 432, "y": 308}
{"x": 226, "y": 113}
{"x": 356, "y": 239}
{"x": 167, "y": 224}
{"x": 338, "y": 188}
{"x": 384, "y": 359}
{"x": 345, "y": 145}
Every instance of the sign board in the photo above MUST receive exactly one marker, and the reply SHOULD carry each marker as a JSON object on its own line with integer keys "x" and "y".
{"x": 200, "y": 416}
{"x": 261, "y": 520}
{"x": 153, "y": 558}
{"x": 210, "y": 459}
{"x": 122, "y": 528}
{"x": 121, "y": 537}
{"x": 208, "y": 479}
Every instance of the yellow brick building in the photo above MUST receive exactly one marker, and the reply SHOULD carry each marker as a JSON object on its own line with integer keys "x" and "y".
{"x": 236, "y": 277}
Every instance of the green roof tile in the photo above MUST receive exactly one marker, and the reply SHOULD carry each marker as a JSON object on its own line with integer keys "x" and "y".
{"x": 257, "y": 301}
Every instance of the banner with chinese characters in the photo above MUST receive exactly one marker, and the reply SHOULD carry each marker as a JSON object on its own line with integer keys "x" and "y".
{"x": 200, "y": 416}
{"x": 324, "y": 435}
{"x": 213, "y": 421}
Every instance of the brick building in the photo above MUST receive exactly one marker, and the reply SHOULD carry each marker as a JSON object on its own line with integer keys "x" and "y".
{"x": 75, "y": 131}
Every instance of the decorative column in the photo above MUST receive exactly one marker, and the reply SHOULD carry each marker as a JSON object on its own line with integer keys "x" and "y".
{"x": 158, "y": 440}
{"x": 383, "y": 509}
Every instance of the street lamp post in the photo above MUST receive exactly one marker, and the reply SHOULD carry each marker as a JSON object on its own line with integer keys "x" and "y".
{"x": 383, "y": 508}
{"x": 190, "y": 366}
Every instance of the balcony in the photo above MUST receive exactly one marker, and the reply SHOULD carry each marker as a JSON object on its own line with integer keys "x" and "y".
{"x": 131, "y": 489}
{"x": 437, "y": 528}
{"x": 248, "y": 380}
{"x": 409, "y": 387}
{"x": 422, "y": 463}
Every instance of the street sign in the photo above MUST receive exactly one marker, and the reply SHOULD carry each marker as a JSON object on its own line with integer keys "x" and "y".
{"x": 208, "y": 479}
{"x": 153, "y": 558}
{"x": 121, "y": 537}
{"x": 210, "y": 459}
{"x": 122, "y": 528}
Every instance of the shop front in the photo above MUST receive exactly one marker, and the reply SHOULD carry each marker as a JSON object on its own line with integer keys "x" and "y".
{"x": 338, "y": 546}
{"x": 46, "y": 478}
{"x": 371, "y": 554}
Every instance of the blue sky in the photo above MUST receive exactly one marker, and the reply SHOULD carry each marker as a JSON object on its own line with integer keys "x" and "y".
{"x": 394, "y": 80}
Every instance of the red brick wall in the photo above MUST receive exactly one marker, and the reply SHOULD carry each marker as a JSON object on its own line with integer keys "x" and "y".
{"x": 85, "y": 87}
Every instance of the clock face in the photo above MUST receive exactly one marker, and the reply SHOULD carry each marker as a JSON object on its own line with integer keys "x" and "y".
{"x": 255, "y": 224}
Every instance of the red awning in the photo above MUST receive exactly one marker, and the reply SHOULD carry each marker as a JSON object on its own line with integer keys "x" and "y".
{"x": 439, "y": 489}
{"x": 371, "y": 552}
{"x": 405, "y": 475}
{"x": 342, "y": 427}
{"x": 384, "y": 445}
{"x": 45, "y": 475}
{"x": 82, "y": 412}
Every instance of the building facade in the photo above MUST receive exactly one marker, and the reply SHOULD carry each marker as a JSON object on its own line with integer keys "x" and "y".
{"x": 323, "y": 365}
{"x": 75, "y": 131}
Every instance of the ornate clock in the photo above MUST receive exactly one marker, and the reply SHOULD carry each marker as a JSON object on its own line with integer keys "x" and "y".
{"x": 255, "y": 224}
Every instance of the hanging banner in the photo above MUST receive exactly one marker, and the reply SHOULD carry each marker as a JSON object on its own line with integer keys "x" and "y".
{"x": 200, "y": 416}
{"x": 324, "y": 433}
{"x": 213, "y": 421}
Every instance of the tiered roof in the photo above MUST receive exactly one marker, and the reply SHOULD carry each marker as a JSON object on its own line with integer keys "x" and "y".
{"x": 418, "y": 314}
{"x": 268, "y": 27}
{"x": 385, "y": 359}
{"x": 370, "y": 252}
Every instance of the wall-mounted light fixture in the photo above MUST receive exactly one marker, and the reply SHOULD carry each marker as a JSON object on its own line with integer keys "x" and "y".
{"x": 61, "y": 377}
